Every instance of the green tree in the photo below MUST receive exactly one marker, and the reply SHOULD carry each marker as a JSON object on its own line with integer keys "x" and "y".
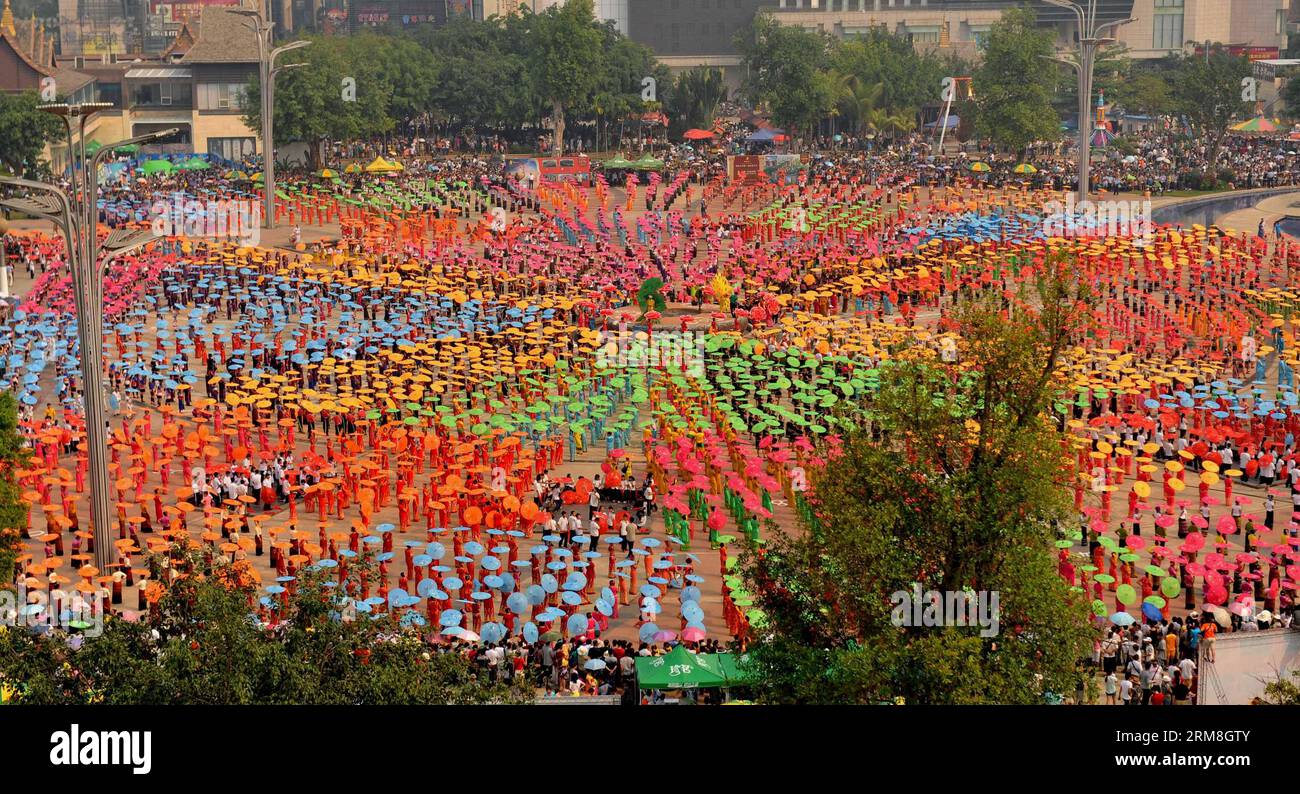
{"x": 401, "y": 64}
{"x": 618, "y": 91}
{"x": 1208, "y": 92}
{"x": 907, "y": 79}
{"x": 1145, "y": 92}
{"x": 695, "y": 97}
{"x": 198, "y": 645}
{"x": 955, "y": 483}
{"x": 1013, "y": 87}
{"x": 1283, "y": 691}
{"x": 13, "y": 510}
{"x": 566, "y": 60}
{"x": 24, "y": 131}
{"x": 309, "y": 102}
{"x": 858, "y": 101}
{"x": 786, "y": 70}
{"x": 480, "y": 73}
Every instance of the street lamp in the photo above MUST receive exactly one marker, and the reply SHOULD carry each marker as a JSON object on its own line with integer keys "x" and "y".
{"x": 75, "y": 214}
{"x": 266, "y": 71}
{"x": 1092, "y": 37}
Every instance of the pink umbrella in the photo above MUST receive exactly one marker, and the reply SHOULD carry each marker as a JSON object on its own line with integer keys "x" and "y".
{"x": 665, "y": 635}
{"x": 692, "y": 634}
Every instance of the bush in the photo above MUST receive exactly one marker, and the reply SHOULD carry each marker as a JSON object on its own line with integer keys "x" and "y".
{"x": 201, "y": 644}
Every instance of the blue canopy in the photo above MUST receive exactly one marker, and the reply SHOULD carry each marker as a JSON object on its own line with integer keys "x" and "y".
{"x": 764, "y": 136}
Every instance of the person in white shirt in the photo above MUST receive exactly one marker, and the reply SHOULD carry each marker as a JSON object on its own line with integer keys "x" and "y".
{"x": 625, "y": 530}
{"x": 1188, "y": 669}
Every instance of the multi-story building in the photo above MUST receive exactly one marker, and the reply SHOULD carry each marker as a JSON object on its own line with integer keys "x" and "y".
{"x": 690, "y": 33}
{"x": 195, "y": 85}
{"x": 615, "y": 11}
{"x": 1257, "y": 27}
{"x": 28, "y": 62}
{"x": 1160, "y": 27}
{"x": 92, "y": 27}
{"x": 363, "y": 14}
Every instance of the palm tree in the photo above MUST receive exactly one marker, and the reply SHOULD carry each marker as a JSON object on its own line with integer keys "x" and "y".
{"x": 858, "y": 101}
{"x": 898, "y": 124}
{"x": 697, "y": 95}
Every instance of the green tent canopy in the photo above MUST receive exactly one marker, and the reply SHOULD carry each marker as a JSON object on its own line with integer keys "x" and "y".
{"x": 648, "y": 163}
{"x": 679, "y": 669}
{"x": 732, "y": 666}
{"x": 156, "y": 167}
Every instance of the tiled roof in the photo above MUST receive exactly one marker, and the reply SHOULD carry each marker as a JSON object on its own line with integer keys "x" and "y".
{"x": 224, "y": 37}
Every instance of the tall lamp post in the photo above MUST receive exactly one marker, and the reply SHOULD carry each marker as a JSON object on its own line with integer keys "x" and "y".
{"x": 1092, "y": 37}
{"x": 75, "y": 214}
{"x": 266, "y": 72}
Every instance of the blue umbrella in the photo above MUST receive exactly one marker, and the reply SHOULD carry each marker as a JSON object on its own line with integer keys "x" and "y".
{"x": 647, "y": 632}
{"x": 577, "y": 624}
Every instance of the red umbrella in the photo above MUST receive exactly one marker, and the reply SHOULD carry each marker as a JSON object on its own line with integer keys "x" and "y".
{"x": 697, "y": 135}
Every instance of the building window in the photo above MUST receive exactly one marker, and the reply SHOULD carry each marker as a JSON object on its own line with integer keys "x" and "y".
{"x": 1167, "y": 25}
{"x": 924, "y": 34}
{"x": 220, "y": 96}
{"x": 161, "y": 94}
{"x": 109, "y": 92}
{"x": 235, "y": 149}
